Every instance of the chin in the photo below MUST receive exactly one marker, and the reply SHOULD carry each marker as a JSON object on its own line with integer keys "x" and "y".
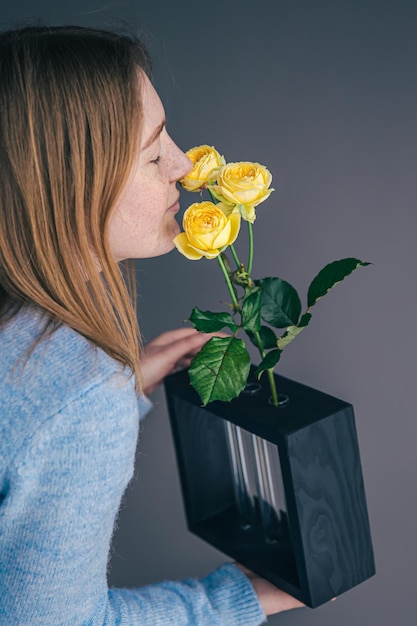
{"x": 161, "y": 250}
{"x": 174, "y": 231}
{"x": 163, "y": 244}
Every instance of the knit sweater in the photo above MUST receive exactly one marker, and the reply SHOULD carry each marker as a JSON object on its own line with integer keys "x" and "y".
{"x": 68, "y": 428}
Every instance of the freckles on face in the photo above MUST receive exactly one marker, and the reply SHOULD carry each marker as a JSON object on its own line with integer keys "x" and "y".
{"x": 142, "y": 226}
{"x": 143, "y": 221}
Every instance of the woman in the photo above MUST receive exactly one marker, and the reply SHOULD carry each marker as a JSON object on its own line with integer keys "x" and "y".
{"x": 88, "y": 179}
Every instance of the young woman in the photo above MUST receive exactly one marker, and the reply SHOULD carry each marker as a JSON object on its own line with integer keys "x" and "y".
{"x": 88, "y": 179}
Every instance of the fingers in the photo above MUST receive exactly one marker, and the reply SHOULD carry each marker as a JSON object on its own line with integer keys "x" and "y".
{"x": 244, "y": 569}
{"x": 173, "y": 335}
{"x": 272, "y": 599}
{"x": 173, "y": 346}
{"x": 178, "y": 334}
{"x": 170, "y": 351}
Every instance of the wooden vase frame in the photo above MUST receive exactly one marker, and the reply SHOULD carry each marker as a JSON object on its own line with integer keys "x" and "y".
{"x": 322, "y": 544}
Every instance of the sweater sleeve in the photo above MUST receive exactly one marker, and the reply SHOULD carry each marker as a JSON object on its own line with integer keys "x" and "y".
{"x": 60, "y": 499}
{"x": 223, "y": 597}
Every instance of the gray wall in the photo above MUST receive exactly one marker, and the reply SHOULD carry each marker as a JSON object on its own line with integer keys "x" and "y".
{"x": 325, "y": 94}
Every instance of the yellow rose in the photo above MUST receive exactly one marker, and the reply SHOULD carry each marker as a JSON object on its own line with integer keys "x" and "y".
{"x": 206, "y": 160}
{"x": 243, "y": 184}
{"x": 208, "y": 229}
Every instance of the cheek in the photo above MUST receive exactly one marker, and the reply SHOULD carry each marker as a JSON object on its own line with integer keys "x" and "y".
{"x": 152, "y": 191}
{"x": 142, "y": 227}
{"x": 144, "y": 202}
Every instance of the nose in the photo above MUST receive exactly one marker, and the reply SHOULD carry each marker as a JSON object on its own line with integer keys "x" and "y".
{"x": 188, "y": 163}
{"x": 180, "y": 163}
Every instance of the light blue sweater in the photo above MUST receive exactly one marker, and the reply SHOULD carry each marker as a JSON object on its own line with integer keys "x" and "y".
{"x": 68, "y": 430}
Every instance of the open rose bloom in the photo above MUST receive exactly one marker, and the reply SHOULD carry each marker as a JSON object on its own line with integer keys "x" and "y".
{"x": 206, "y": 160}
{"x": 244, "y": 185}
{"x": 208, "y": 229}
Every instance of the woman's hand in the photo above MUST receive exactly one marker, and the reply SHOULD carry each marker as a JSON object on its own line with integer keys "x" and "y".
{"x": 272, "y": 599}
{"x": 169, "y": 352}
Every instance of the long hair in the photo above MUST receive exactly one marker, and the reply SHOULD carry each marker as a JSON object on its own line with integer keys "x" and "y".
{"x": 70, "y": 120}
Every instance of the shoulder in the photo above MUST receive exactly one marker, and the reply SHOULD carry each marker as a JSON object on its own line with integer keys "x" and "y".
{"x": 62, "y": 368}
{"x": 61, "y": 365}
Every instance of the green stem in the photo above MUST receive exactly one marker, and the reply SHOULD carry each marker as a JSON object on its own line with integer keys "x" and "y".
{"x": 259, "y": 342}
{"x": 270, "y": 372}
{"x": 228, "y": 283}
{"x": 250, "y": 257}
{"x": 272, "y": 386}
{"x": 234, "y": 255}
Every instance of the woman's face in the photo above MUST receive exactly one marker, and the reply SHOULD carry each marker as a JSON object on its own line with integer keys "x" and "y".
{"x": 143, "y": 221}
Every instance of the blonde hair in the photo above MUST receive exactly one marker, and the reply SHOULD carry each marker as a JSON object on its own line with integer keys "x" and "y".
{"x": 70, "y": 118}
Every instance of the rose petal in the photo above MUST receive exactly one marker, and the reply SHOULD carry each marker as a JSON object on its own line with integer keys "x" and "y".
{"x": 248, "y": 212}
{"x": 183, "y": 246}
{"x": 223, "y": 237}
{"x": 234, "y": 220}
{"x": 211, "y": 254}
{"x": 227, "y": 209}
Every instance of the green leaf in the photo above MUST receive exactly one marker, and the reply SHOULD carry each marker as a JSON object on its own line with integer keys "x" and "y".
{"x": 208, "y": 322}
{"x": 293, "y": 331}
{"x": 281, "y": 305}
{"x": 329, "y": 276}
{"x": 220, "y": 370}
{"x": 268, "y": 338}
{"x": 251, "y": 311}
{"x": 305, "y": 320}
{"x": 268, "y": 362}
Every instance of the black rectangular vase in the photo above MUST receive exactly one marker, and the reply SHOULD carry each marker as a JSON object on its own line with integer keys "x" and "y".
{"x": 323, "y": 547}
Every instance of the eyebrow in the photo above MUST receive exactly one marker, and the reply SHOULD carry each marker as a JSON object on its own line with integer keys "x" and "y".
{"x": 154, "y": 135}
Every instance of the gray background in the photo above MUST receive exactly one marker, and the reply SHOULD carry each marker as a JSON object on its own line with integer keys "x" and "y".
{"x": 323, "y": 93}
